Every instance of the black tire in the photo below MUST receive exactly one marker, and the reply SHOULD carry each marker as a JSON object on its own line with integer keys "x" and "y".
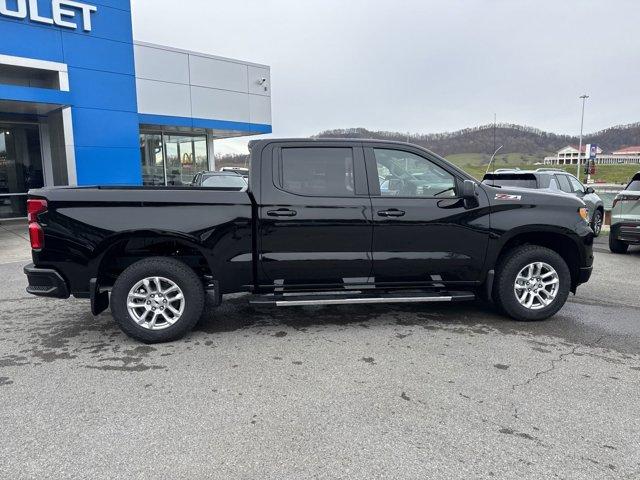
{"x": 617, "y": 246}
{"x": 511, "y": 264}
{"x": 596, "y": 222}
{"x": 177, "y": 272}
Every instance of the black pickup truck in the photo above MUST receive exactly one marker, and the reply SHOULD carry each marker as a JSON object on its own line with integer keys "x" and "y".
{"x": 323, "y": 222}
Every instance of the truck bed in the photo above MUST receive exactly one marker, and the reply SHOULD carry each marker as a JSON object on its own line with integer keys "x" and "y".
{"x": 84, "y": 225}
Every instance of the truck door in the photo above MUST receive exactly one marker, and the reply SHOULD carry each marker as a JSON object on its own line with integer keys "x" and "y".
{"x": 315, "y": 215}
{"x": 422, "y": 233}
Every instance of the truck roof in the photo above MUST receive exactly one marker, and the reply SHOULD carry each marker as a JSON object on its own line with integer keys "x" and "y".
{"x": 252, "y": 143}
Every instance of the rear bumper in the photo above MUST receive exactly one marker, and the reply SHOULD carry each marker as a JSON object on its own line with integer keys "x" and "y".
{"x": 45, "y": 282}
{"x": 628, "y": 232}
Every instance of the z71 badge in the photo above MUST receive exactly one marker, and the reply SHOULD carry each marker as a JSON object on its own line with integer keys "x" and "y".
{"x": 506, "y": 196}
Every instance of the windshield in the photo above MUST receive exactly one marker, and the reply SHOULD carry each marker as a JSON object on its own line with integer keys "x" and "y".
{"x": 634, "y": 186}
{"x": 224, "y": 181}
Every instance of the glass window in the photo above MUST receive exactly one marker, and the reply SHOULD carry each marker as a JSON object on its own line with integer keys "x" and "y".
{"x": 565, "y": 186}
{"x": 224, "y": 181}
{"x": 511, "y": 180}
{"x": 404, "y": 174}
{"x": 20, "y": 167}
{"x": 576, "y": 185}
{"x": 553, "y": 184}
{"x": 186, "y": 155}
{"x": 172, "y": 159}
{"x": 318, "y": 171}
{"x": 152, "y": 157}
{"x": 634, "y": 185}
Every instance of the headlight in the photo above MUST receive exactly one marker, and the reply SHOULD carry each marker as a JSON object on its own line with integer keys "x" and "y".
{"x": 584, "y": 213}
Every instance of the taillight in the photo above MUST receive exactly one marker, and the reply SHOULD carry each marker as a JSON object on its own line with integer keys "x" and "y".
{"x": 36, "y": 206}
{"x": 625, "y": 198}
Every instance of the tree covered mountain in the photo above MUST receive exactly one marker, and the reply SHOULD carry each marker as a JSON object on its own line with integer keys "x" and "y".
{"x": 516, "y": 139}
{"x": 520, "y": 143}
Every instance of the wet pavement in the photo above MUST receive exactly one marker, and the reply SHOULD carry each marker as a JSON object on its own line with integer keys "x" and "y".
{"x": 415, "y": 391}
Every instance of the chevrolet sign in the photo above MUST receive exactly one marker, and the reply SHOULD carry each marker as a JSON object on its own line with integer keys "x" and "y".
{"x": 64, "y": 12}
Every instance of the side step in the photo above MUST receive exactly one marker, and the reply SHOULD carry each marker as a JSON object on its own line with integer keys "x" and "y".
{"x": 347, "y": 298}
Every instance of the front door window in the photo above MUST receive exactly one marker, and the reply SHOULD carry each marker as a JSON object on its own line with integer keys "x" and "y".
{"x": 404, "y": 174}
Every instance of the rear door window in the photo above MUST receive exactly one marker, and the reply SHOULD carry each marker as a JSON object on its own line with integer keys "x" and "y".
{"x": 565, "y": 186}
{"x": 318, "y": 171}
{"x": 553, "y": 184}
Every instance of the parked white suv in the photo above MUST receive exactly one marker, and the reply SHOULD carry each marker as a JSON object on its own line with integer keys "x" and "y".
{"x": 625, "y": 217}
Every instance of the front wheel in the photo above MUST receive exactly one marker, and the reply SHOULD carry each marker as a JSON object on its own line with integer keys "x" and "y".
{"x": 157, "y": 299}
{"x": 596, "y": 223}
{"x": 532, "y": 283}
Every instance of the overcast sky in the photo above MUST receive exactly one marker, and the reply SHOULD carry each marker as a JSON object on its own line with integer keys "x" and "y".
{"x": 421, "y": 66}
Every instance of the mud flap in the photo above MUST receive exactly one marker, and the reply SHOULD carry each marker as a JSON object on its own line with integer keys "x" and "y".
{"x": 99, "y": 300}
{"x": 212, "y": 292}
{"x": 488, "y": 284}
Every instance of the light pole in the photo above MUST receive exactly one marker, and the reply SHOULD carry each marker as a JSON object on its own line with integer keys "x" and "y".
{"x": 584, "y": 99}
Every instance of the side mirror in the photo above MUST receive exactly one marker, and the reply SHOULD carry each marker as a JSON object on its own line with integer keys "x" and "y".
{"x": 469, "y": 190}
{"x": 589, "y": 191}
{"x": 470, "y": 194}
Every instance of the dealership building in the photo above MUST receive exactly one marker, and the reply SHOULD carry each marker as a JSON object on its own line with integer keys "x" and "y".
{"x": 83, "y": 103}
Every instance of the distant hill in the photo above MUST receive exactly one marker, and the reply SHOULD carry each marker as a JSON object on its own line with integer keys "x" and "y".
{"x": 474, "y": 146}
{"x": 517, "y": 139}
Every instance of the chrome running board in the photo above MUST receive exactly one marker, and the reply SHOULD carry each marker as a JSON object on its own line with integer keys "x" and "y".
{"x": 299, "y": 300}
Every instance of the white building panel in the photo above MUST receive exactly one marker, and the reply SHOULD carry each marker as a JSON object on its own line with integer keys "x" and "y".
{"x": 210, "y": 103}
{"x": 154, "y": 63}
{"x": 221, "y": 74}
{"x": 179, "y": 83}
{"x": 162, "y": 98}
{"x": 260, "y": 109}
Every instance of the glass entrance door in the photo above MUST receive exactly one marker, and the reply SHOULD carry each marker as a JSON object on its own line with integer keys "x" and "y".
{"x": 20, "y": 167}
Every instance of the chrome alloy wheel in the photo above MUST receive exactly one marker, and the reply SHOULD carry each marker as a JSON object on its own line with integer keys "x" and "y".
{"x": 537, "y": 285}
{"x": 597, "y": 223}
{"x": 155, "y": 303}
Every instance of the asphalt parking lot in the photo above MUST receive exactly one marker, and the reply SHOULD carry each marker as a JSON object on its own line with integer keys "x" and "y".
{"x": 417, "y": 391}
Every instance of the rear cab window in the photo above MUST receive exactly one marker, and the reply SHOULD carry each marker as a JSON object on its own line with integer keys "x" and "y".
{"x": 520, "y": 180}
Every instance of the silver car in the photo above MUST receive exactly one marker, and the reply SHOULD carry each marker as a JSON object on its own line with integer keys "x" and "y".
{"x": 625, "y": 218}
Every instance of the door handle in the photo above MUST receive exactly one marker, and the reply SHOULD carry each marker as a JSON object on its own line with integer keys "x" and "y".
{"x": 392, "y": 212}
{"x": 282, "y": 212}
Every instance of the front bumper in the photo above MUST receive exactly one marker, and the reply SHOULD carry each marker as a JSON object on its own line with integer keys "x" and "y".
{"x": 45, "y": 282}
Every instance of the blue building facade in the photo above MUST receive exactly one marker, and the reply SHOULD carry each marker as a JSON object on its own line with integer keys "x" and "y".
{"x": 68, "y": 69}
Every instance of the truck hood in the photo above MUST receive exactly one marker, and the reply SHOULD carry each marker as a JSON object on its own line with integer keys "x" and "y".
{"x": 529, "y": 196}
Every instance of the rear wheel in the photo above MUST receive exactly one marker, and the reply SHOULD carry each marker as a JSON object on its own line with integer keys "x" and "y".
{"x": 617, "y": 246}
{"x": 532, "y": 283}
{"x": 157, "y": 300}
{"x": 596, "y": 222}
